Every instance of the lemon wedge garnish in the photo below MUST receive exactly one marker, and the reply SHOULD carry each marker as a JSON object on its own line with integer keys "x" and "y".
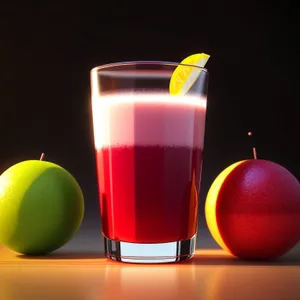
{"x": 184, "y": 77}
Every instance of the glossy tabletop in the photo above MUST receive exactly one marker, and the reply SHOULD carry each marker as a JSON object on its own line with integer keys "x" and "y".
{"x": 211, "y": 275}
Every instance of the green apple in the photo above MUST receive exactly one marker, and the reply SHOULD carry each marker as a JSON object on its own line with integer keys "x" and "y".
{"x": 41, "y": 207}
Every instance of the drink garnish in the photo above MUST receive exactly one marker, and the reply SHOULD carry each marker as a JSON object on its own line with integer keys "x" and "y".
{"x": 184, "y": 77}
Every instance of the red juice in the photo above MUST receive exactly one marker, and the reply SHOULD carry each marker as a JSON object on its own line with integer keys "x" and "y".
{"x": 149, "y": 159}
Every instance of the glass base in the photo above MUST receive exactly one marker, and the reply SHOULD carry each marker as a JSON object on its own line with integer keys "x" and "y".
{"x": 150, "y": 253}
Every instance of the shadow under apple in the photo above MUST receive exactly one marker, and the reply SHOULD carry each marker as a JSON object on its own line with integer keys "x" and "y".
{"x": 64, "y": 255}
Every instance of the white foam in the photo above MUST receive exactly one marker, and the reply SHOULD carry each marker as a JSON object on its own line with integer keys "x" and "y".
{"x": 148, "y": 119}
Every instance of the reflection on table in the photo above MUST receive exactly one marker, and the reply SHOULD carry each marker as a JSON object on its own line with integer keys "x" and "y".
{"x": 211, "y": 275}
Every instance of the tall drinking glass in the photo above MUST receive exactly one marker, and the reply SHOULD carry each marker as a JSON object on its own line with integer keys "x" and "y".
{"x": 149, "y": 146}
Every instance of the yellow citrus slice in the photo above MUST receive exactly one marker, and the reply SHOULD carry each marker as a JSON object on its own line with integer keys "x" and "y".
{"x": 184, "y": 76}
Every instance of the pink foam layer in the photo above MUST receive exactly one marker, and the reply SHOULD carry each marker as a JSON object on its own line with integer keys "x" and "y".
{"x": 148, "y": 119}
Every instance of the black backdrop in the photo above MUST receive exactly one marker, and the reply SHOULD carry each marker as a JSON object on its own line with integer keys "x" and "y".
{"x": 48, "y": 48}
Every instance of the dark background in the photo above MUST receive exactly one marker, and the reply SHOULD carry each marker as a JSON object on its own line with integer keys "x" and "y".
{"x": 48, "y": 48}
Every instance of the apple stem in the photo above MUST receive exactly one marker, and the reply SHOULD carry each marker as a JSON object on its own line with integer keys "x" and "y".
{"x": 254, "y": 153}
{"x": 254, "y": 149}
{"x": 42, "y": 156}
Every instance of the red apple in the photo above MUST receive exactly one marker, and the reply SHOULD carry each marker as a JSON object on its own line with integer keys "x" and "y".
{"x": 253, "y": 209}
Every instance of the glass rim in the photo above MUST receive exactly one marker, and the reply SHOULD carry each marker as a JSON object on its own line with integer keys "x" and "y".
{"x": 144, "y": 62}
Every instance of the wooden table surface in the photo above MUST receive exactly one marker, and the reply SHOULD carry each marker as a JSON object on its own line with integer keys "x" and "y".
{"x": 210, "y": 275}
